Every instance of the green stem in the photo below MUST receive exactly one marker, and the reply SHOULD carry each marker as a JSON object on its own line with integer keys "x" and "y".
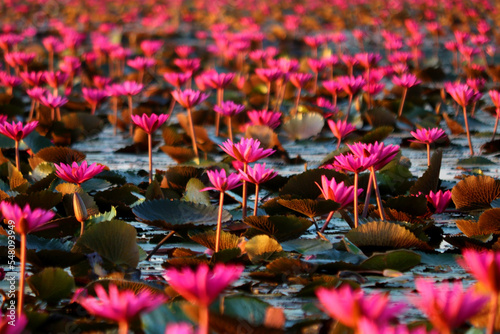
{"x": 297, "y": 100}
{"x": 219, "y": 221}
{"x": 330, "y": 215}
{"x": 367, "y": 197}
{"x": 22, "y": 274}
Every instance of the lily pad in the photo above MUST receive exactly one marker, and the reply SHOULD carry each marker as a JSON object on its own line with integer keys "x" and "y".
{"x": 176, "y": 215}
{"x": 178, "y": 177}
{"x": 290, "y": 267}
{"x": 400, "y": 260}
{"x": 385, "y": 235}
{"x": 412, "y": 205}
{"x": 263, "y": 248}
{"x": 281, "y": 227}
{"x": 207, "y": 239}
{"x": 304, "y": 125}
{"x": 51, "y": 285}
{"x": 475, "y": 192}
{"x": 429, "y": 181}
{"x": 16, "y": 180}
{"x": 307, "y": 246}
{"x": 475, "y": 161}
{"x": 193, "y": 193}
{"x": 60, "y": 154}
{"x": 310, "y": 208}
{"x": 44, "y": 199}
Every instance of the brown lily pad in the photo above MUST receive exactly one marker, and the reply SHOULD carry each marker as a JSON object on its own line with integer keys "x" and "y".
{"x": 59, "y": 154}
{"x": 281, "y": 227}
{"x": 207, "y": 239}
{"x": 429, "y": 181}
{"x": 475, "y": 192}
{"x": 309, "y": 207}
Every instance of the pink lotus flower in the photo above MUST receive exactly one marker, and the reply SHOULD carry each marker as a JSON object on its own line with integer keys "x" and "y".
{"x": 176, "y": 79}
{"x": 340, "y": 129}
{"x": 447, "y": 306}
{"x": 33, "y": 78}
{"x": 218, "y": 80}
{"x": 351, "y": 85}
{"x": 183, "y": 51}
{"x": 265, "y": 117}
{"x": 367, "y": 326}
{"x": 461, "y": 93}
{"x": 94, "y": 97}
{"x": 485, "y": 266}
{"x": 188, "y": 65}
{"x": 78, "y": 174}
{"x": 427, "y": 137}
{"x": 16, "y": 130}
{"x": 22, "y": 59}
{"x": 150, "y": 47}
{"x": 149, "y": 123}
{"x": 53, "y": 44}
{"x": 36, "y": 93}
{"x": 204, "y": 285}
{"x": 229, "y": 108}
{"x": 246, "y": 151}
{"x": 55, "y": 79}
{"x": 257, "y": 175}
{"x": 26, "y": 220}
{"x": 439, "y": 200}
{"x": 337, "y": 192}
{"x": 101, "y": 82}
{"x": 141, "y": 63}
{"x": 269, "y": 75}
{"x": 53, "y": 102}
{"x": 368, "y": 60}
{"x": 406, "y": 80}
{"x": 189, "y": 98}
{"x": 120, "y": 306}
{"x": 70, "y": 65}
{"x": 9, "y": 81}
{"x": 221, "y": 182}
{"x": 383, "y": 153}
{"x": 6, "y": 326}
{"x": 350, "y": 306}
{"x": 179, "y": 328}
{"x": 130, "y": 88}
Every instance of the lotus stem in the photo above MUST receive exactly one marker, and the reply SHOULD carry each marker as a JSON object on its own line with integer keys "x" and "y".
{"x": 82, "y": 228}
{"x": 219, "y": 221}
{"x": 150, "y": 153}
{"x": 141, "y": 76}
{"x": 244, "y": 194}
{"x": 256, "y": 199}
{"x": 493, "y": 314}
{"x": 220, "y": 97}
{"x": 468, "y": 131}
{"x": 52, "y": 113}
{"x": 115, "y": 113}
{"x": 297, "y": 100}
{"x": 473, "y": 110}
{"x": 94, "y": 107}
{"x": 123, "y": 327}
{"x": 170, "y": 109}
{"x": 32, "y": 110}
{"x": 401, "y": 104}
{"x": 377, "y": 193}
{"x": 22, "y": 274}
{"x": 428, "y": 154}
{"x": 58, "y": 113}
{"x": 51, "y": 61}
{"x": 368, "y": 85}
{"x": 193, "y": 134}
{"x": 171, "y": 233}
{"x": 203, "y": 319}
{"x": 315, "y": 83}
{"x": 496, "y": 125}
{"x": 349, "y": 107}
{"x": 131, "y": 126}
{"x": 330, "y": 215}
{"x": 18, "y": 161}
{"x": 268, "y": 96}
{"x": 367, "y": 197}
{"x": 230, "y": 127}
{"x": 356, "y": 181}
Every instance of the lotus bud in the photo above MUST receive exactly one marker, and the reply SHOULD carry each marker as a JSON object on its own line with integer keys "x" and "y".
{"x": 79, "y": 208}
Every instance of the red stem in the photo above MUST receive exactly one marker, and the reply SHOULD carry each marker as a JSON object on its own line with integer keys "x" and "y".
{"x": 219, "y": 221}
{"x": 22, "y": 274}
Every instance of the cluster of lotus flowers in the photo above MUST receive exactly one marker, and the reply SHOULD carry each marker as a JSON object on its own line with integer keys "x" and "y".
{"x": 272, "y": 91}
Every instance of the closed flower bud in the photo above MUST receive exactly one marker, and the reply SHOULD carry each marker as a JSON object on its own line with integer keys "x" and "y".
{"x": 79, "y": 208}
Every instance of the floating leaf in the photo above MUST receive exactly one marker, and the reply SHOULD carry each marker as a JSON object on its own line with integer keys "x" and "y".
{"x": 281, "y": 227}
{"x": 42, "y": 170}
{"x": 136, "y": 287}
{"x": 263, "y": 248}
{"x": 225, "y": 255}
{"x": 193, "y": 193}
{"x": 307, "y": 246}
{"x": 310, "y": 208}
{"x": 178, "y": 154}
{"x": 60, "y": 154}
{"x": 412, "y": 205}
{"x": 352, "y": 248}
{"x": 53, "y": 258}
{"x": 177, "y": 177}
{"x": 462, "y": 242}
{"x": 16, "y": 180}
{"x": 303, "y": 184}
{"x": 489, "y": 221}
{"x": 385, "y": 235}
{"x": 304, "y": 125}
{"x": 289, "y": 267}
{"x": 475, "y": 192}
{"x": 113, "y": 240}
{"x": 475, "y": 161}
{"x": 175, "y": 214}
{"x": 122, "y": 196}
{"x": 43, "y": 199}
{"x": 429, "y": 181}
{"x": 469, "y": 227}
{"x": 454, "y": 126}
{"x": 51, "y": 285}
{"x": 207, "y": 239}
{"x": 267, "y": 137}
{"x": 378, "y": 117}
{"x": 154, "y": 191}
{"x": 323, "y": 281}
{"x": 400, "y": 260}
{"x": 102, "y": 217}
{"x": 36, "y": 142}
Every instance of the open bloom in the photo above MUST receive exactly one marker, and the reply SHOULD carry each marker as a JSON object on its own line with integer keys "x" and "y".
{"x": 189, "y": 98}
{"x": 120, "y": 306}
{"x": 203, "y": 285}
{"x": 340, "y": 128}
{"x": 26, "y": 220}
{"x": 55, "y": 79}
{"x": 176, "y": 79}
{"x": 150, "y": 47}
{"x": 406, "y": 80}
{"x": 53, "y": 101}
{"x": 352, "y": 163}
{"x": 149, "y": 123}
{"x": 485, "y": 266}
{"x": 130, "y": 88}
{"x": 337, "y": 192}
{"x": 33, "y": 78}
{"x": 141, "y": 63}
{"x": 246, "y": 151}
{"x": 218, "y": 80}
{"x": 447, "y": 306}
{"x": 461, "y": 93}
{"x": 349, "y": 306}
{"x": 383, "y": 153}
{"x": 94, "y": 96}
{"x": 77, "y": 173}
{"x": 428, "y": 136}
{"x": 179, "y": 328}
{"x": 258, "y": 174}
{"x": 265, "y": 117}
{"x": 229, "y": 108}
{"x": 351, "y": 85}
{"x": 221, "y": 182}
{"x": 439, "y": 200}
{"x": 16, "y": 130}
